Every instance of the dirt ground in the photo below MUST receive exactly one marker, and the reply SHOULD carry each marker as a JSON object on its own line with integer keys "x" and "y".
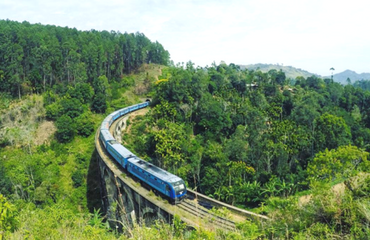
{"x": 44, "y": 132}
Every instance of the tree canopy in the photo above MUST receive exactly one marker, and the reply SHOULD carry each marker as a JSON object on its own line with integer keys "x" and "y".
{"x": 35, "y": 58}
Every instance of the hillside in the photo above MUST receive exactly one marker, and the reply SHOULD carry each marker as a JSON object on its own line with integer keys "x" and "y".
{"x": 352, "y": 75}
{"x": 290, "y": 72}
{"x": 35, "y": 58}
{"x": 258, "y": 148}
{"x": 264, "y": 146}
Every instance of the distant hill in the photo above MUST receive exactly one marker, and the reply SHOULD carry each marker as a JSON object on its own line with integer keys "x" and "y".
{"x": 290, "y": 72}
{"x": 352, "y": 75}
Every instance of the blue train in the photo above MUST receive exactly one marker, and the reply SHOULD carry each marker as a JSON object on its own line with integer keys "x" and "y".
{"x": 168, "y": 184}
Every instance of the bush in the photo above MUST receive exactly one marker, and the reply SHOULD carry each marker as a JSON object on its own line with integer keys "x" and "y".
{"x": 66, "y": 129}
{"x": 5, "y": 184}
{"x": 85, "y": 124}
{"x": 77, "y": 178}
{"x": 82, "y": 92}
{"x": 53, "y": 111}
{"x": 8, "y": 216}
{"x": 72, "y": 107}
{"x": 99, "y": 103}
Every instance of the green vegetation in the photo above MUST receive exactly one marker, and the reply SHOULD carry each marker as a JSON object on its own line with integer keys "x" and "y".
{"x": 36, "y": 58}
{"x": 54, "y": 84}
{"x": 8, "y": 218}
{"x": 294, "y": 149}
{"x": 252, "y": 139}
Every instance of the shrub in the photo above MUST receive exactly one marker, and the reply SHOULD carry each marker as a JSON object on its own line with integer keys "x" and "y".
{"x": 66, "y": 129}
{"x": 84, "y": 124}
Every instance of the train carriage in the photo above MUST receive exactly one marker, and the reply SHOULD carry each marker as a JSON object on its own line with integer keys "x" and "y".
{"x": 119, "y": 152}
{"x": 105, "y": 136}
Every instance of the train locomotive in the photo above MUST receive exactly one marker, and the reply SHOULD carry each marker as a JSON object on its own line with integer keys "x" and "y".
{"x": 161, "y": 181}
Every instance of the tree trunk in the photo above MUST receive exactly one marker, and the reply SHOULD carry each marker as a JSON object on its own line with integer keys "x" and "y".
{"x": 44, "y": 83}
{"x": 19, "y": 90}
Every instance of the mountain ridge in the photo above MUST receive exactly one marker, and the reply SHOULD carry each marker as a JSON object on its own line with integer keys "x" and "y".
{"x": 293, "y": 72}
{"x": 352, "y": 75}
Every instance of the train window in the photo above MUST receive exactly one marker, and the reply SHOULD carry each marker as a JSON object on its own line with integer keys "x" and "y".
{"x": 167, "y": 188}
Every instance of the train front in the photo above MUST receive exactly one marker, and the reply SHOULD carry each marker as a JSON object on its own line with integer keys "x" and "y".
{"x": 180, "y": 190}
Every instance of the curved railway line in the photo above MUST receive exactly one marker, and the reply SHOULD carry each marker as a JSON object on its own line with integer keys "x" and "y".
{"x": 194, "y": 210}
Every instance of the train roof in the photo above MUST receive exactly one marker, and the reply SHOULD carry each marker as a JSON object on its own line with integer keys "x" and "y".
{"x": 108, "y": 118}
{"x": 106, "y": 135}
{"x": 154, "y": 170}
{"x": 115, "y": 114}
{"x": 121, "y": 149}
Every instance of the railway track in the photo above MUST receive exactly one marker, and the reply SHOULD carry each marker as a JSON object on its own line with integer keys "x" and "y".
{"x": 207, "y": 215}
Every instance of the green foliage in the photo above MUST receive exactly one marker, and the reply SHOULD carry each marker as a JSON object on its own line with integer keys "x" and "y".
{"x": 164, "y": 111}
{"x": 71, "y": 107}
{"x": 58, "y": 221}
{"x": 8, "y": 216}
{"x": 212, "y": 117}
{"x": 360, "y": 186}
{"x": 99, "y": 103}
{"x": 127, "y": 81}
{"x": 77, "y": 178}
{"x": 82, "y": 91}
{"x": 179, "y": 226}
{"x": 331, "y": 132}
{"x": 101, "y": 85}
{"x": 168, "y": 142}
{"x": 4, "y": 99}
{"x": 5, "y": 184}
{"x": 53, "y": 111}
{"x": 66, "y": 129}
{"x": 242, "y": 136}
{"x": 232, "y": 119}
{"x": 250, "y": 230}
{"x": 85, "y": 124}
{"x": 278, "y": 187}
{"x": 37, "y": 58}
{"x": 344, "y": 162}
{"x": 251, "y": 193}
{"x": 329, "y": 213}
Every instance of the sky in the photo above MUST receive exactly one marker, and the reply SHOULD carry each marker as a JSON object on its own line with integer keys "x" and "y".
{"x": 313, "y": 35}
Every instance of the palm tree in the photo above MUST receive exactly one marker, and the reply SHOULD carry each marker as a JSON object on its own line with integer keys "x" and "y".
{"x": 332, "y": 70}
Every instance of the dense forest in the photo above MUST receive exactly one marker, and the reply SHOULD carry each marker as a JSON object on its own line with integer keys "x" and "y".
{"x": 258, "y": 129}
{"x": 277, "y": 146}
{"x": 35, "y": 58}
